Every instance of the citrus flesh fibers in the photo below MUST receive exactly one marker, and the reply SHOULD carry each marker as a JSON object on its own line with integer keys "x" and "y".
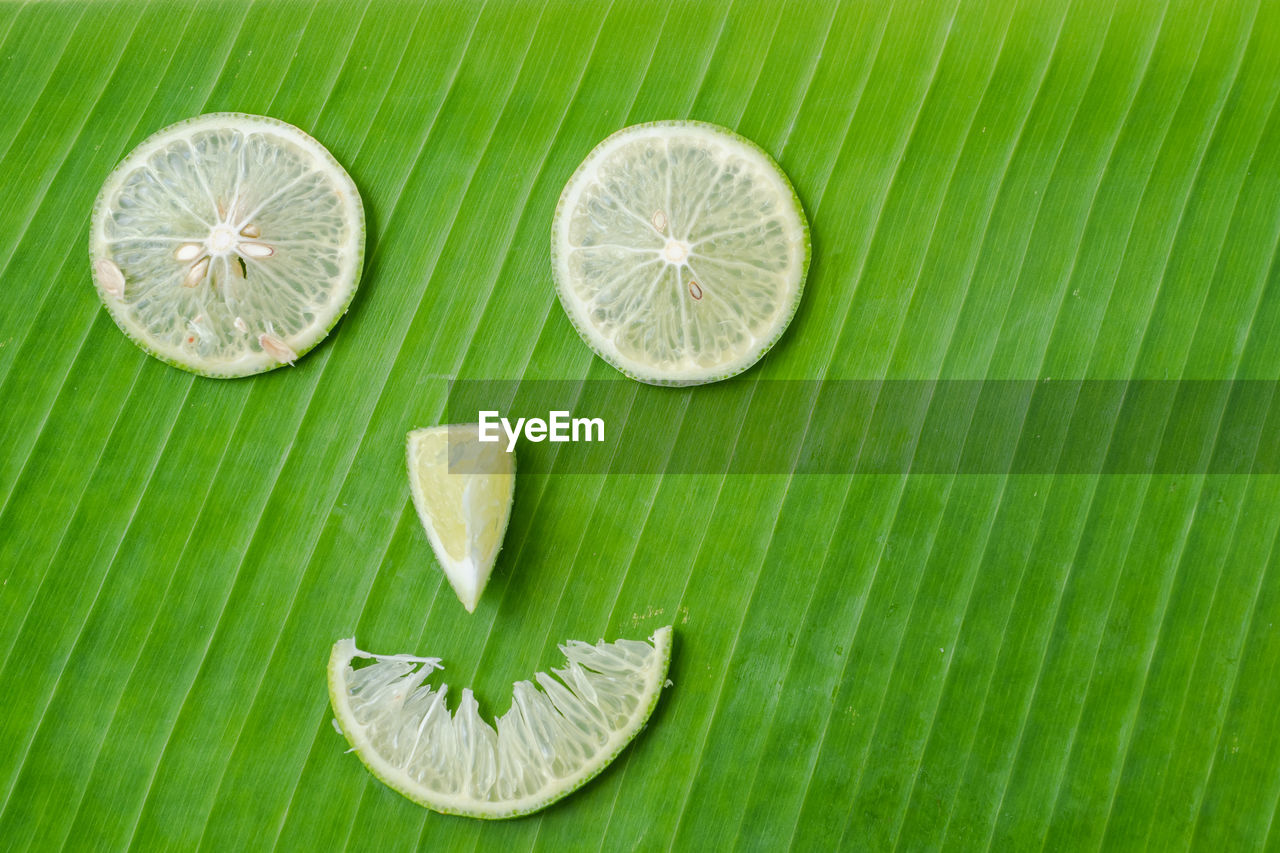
{"x": 463, "y": 490}
{"x": 227, "y": 244}
{"x": 550, "y": 742}
{"x": 679, "y": 251}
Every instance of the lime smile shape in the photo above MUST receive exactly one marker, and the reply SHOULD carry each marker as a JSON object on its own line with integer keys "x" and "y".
{"x": 555, "y": 738}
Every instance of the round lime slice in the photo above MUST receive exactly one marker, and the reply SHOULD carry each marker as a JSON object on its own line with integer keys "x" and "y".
{"x": 227, "y": 244}
{"x": 679, "y": 250}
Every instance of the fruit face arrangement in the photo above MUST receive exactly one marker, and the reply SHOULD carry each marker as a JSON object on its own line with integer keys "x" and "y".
{"x": 230, "y": 244}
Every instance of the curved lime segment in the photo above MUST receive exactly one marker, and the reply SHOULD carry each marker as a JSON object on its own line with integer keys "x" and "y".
{"x": 557, "y": 735}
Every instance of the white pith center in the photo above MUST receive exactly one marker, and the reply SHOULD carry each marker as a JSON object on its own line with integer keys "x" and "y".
{"x": 222, "y": 240}
{"x": 675, "y": 251}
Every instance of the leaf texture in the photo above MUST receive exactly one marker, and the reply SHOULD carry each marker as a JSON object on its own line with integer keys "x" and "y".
{"x": 997, "y": 190}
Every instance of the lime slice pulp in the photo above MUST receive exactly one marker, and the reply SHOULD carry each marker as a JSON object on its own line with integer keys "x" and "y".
{"x": 463, "y": 490}
{"x": 679, "y": 250}
{"x": 549, "y": 743}
{"x": 227, "y": 244}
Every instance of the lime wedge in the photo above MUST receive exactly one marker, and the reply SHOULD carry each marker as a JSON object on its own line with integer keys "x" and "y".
{"x": 547, "y": 745}
{"x": 679, "y": 251}
{"x": 463, "y": 490}
{"x": 227, "y": 244}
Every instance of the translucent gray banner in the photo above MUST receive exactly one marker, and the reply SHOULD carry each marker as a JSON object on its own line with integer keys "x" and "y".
{"x": 888, "y": 427}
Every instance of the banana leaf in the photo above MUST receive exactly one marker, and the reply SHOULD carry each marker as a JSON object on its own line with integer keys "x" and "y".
{"x": 994, "y": 567}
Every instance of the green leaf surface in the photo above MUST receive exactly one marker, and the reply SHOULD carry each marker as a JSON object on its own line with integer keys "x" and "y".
{"x": 997, "y": 190}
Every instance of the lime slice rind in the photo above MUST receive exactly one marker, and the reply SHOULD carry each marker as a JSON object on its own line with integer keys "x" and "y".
{"x": 702, "y": 279}
{"x": 246, "y": 314}
{"x": 555, "y": 738}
